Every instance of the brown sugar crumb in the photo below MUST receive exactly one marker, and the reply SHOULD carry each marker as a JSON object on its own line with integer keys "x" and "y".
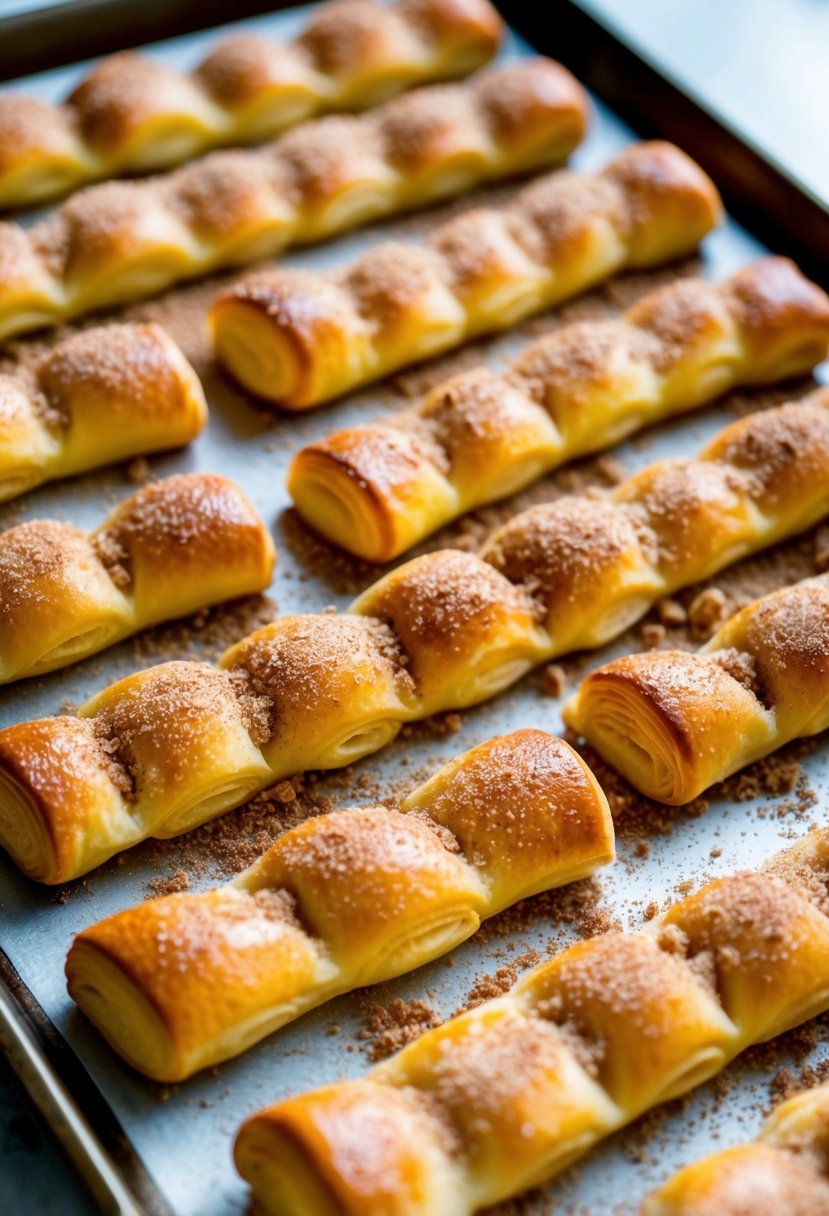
{"x": 742, "y": 667}
{"x": 653, "y": 635}
{"x": 439, "y": 726}
{"x": 113, "y": 556}
{"x": 821, "y": 542}
{"x": 283, "y": 792}
{"x": 486, "y": 987}
{"x": 785, "y": 1084}
{"x": 554, "y": 680}
{"x": 671, "y": 613}
{"x": 576, "y": 906}
{"x": 707, "y": 612}
{"x": 232, "y": 842}
{"x": 611, "y": 469}
{"x": 180, "y": 881}
{"x": 138, "y": 470}
{"x": 209, "y": 633}
{"x": 387, "y": 1028}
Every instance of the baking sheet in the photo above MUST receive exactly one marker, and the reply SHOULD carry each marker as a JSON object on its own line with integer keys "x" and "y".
{"x": 184, "y": 1133}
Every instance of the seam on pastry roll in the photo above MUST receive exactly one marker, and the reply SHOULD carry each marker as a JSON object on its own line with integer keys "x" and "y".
{"x": 786, "y": 1169}
{"x": 377, "y": 490}
{"x": 297, "y": 338}
{"x": 675, "y": 723}
{"x": 101, "y": 396}
{"x": 442, "y": 632}
{"x": 174, "y": 547}
{"x": 133, "y": 114}
{"x": 502, "y": 1098}
{"x": 346, "y": 899}
{"x": 120, "y": 241}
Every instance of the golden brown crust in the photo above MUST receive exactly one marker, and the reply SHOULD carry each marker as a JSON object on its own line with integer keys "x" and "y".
{"x": 501, "y": 1098}
{"x": 481, "y": 271}
{"x": 132, "y": 114}
{"x": 379, "y": 488}
{"x": 345, "y": 899}
{"x": 785, "y": 1170}
{"x": 120, "y": 241}
{"x": 173, "y": 547}
{"x": 674, "y": 723}
{"x": 100, "y": 396}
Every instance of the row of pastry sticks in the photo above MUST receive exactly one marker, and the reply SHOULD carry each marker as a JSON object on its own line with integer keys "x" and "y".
{"x": 549, "y": 1077}
{"x": 503, "y": 1097}
{"x": 555, "y": 1053}
{"x": 133, "y": 114}
{"x": 440, "y": 632}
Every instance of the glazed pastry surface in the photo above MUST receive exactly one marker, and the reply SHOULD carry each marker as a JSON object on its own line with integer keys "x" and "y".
{"x": 378, "y": 489}
{"x": 132, "y": 114}
{"x": 441, "y": 632}
{"x": 346, "y": 899}
{"x": 122, "y": 241}
{"x": 503, "y": 1097}
{"x": 100, "y": 396}
{"x": 298, "y": 338}
{"x": 786, "y": 1170}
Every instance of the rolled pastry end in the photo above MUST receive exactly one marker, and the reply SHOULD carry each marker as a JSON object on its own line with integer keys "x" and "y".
{"x": 183, "y": 982}
{"x": 672, "y": 202}
{"x": 371, "y": 490}
{"x": 299, "y": 1155}
{"x": 670, "y": 722}
{"x": 122, "y": 1012}
{"x": 290, "y": 338}
{"x": 61, "y": 811}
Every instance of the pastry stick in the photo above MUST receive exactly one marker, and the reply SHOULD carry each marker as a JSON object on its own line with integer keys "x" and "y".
{"x": 673, "y": 723}
{"x": 132, "y": 114}
{"x": 98, "y": 397}
{"x": 376, "y": 490}
{"x": 502, "y": 1098}
{"x": 346, "y": 899}
{"x": 297, "y": 338}
{"x": 171, "y": 747}
{"x": 786, "y": 1170}
{"x": 121, "y": 241}
{"x": 172, "y": 548}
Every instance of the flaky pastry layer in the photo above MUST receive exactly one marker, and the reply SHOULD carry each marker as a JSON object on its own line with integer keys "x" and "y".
{"x": 674, "y": 723}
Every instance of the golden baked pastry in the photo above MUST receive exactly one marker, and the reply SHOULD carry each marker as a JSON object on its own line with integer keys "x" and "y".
{"x": 376, "y": 490}
{"x": 173, "y": 547}
{"x": 443, "y": 631}
{"x": 346, "y": 899}
{"x": 784, "y": 1173}
{"x": 101, "y": 396}
{"x": 502, "y": 1098}
{"x": 132, "y": 114}
{"x": 296, "y": 338}
{"x": 673, "y": 723}
{"x": 120, "y": 241}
